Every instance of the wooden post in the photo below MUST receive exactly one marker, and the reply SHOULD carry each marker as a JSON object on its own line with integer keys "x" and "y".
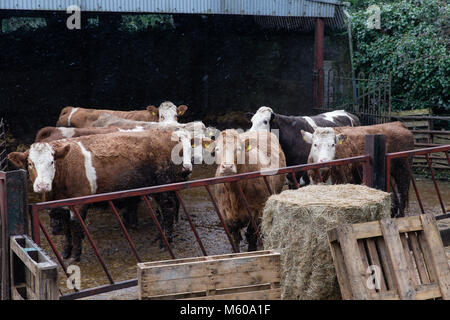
{"x": 318, "y": 62}
{"x": 375, "y": 146}
{"x": 14, "y": 219}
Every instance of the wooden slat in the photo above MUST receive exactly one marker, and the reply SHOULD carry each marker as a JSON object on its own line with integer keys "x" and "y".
{"x": 409, "y": 260}
{"x": 365, "y": 260}
{"x": 428, "y": 291}
{"x": 437, "y": 253}
{"x": 386, "y": 263}
{"x": 373, "y": 229}
{"x": 353, "y": 262}
{"x": 373, "y": 255}
{"x": 427, "y": 256}
{"x": 341, "y": 270}
{"x": 208, "y": 275}
{"x": 270, "y": 294}
{"x": 419, "y": 259}
{"x": 395, "y": 252}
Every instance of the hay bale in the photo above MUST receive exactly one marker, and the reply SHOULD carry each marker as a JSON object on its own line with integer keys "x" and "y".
{"x": 296, "y": 223}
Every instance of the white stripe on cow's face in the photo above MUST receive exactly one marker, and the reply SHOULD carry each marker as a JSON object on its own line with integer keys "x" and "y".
{"x": 136, "y": 129}
{"x": 70, "y": 115}
{"x": 67, "y": 132}
{"x": 310, "y": 122}
{"x": 41, "y": 158}
{"x": 168, "y": 112}
{"x": 261, "y": 119}
{"x": 91, "y": 174}
{"x": 337, "y": 113}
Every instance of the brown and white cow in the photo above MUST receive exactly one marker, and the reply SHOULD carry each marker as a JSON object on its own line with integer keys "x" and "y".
{"x": 246, "y": 152}
{"x": 328, "y": 144}
{"x": 48, "y": 134}
{"x": 82, "y": 117}
{"x": 105, "y": 163}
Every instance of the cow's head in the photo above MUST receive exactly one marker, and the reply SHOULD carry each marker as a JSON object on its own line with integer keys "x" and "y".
{"x": 230, "y": 150}
{"x": 168, "y": 112}
{"x": 189, "y": 141}
{"x": 40, "y": 159}
{"x": 323, "y": 144}
{"x": 261, "y": 119}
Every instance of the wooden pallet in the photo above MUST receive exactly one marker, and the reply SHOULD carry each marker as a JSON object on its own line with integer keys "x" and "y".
{"x": 33, "y": 275}
{"x": 251, "y": 275}
{"x": 408, "y": 254}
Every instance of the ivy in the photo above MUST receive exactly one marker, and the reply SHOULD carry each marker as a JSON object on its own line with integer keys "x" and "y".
{"x": 412, "y": 45}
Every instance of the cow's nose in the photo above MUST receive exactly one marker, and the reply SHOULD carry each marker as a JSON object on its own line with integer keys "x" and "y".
{"x": 187, "y": 167}
{"x": 42, "y": 187}
{"x": 228, "y": 167}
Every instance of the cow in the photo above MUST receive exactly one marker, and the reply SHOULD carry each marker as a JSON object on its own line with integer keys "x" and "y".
{"x": 102, "y": 163}
{"x": 337, "y": 143}
{"x": 48, "y": 134}
{"x": 296, "y": 150}
{"x": 82, "y": 117}
{"x": 246, "y": 152}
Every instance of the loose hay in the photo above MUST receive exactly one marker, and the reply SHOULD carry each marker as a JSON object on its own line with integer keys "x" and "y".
{"x": 296, "y": 222}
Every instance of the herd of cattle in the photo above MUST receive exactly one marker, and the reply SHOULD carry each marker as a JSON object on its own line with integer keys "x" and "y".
{"x": 92, "y": 151}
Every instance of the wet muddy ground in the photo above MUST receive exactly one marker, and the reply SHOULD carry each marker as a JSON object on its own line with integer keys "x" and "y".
{"x": 121, "y": 263}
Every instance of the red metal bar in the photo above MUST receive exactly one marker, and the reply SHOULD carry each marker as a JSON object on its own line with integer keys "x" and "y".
{"x": 191, "y": 224}
{"x": 233, "y": 246}
{"x": 435, "y": 184}
{"x": 414, "y": 185}
{"x": 318, "y": 61}
{"x": 295, "y": 180}
{"x": 388, "y": 173}
{"x": 190, "y": 184}
{"x": 124, "y": 230}
{"x": 55, "y": 251}
{"x": 86, "y": 231}
{"x": 344, "y": 177}
{"x": 317, "y": 171}
{"x": 252, "y": 220}
{"x": 402, "y": 154}
{"x": 269, "y": 188}
{"x": 155, "y": 220}
{"x": 35, "y": 229}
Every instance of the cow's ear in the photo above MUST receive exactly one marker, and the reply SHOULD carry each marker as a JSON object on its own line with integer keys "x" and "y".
{"x": 208, "y": 144}
{"x": 61, "y": 152}
{"x": 153, "y": 110}
{"x": 181, "y": 109}
{"x": 340, "y": 138}
{"x": 249, "y": 115}
{"x": 307, "y": 136}
{"x": 19, "y": 159}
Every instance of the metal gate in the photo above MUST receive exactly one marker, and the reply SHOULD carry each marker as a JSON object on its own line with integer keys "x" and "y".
{"x": 3, "y": 152}
{"x": 367, "y": 97}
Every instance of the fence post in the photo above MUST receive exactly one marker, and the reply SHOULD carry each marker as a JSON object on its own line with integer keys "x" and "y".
{"x": 13, "y": 195}
{"x": 375, "y": 146}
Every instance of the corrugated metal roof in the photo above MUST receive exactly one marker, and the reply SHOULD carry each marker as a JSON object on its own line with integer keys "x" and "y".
{"x": 279, "y": 8}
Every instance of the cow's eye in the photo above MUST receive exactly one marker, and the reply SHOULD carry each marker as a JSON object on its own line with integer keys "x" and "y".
{"x": 315, "y": 144}
{"x": 265, "y": 121}
{"x": 332, "y": 144}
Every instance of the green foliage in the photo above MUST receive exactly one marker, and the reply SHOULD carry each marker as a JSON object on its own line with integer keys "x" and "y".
{"x": 145, "y": 21}
{"x": 22, "y": 23}
{"x": 412, "y": 45}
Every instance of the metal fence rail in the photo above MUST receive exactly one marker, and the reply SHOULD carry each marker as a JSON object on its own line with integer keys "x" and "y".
{"x": 405, "y": 156}
{"x": 143, "y": 193}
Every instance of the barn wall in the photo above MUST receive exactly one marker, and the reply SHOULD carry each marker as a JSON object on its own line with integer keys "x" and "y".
{"x": 213, "y": 64}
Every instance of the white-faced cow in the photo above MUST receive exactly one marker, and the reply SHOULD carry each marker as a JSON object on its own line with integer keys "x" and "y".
{"x": 238, "y": 153}
{"x": 105, "y": 163}
{"x": 83, "y": 118}
{"x": 328, "y": 144}
{"x": 295, "y": 149}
